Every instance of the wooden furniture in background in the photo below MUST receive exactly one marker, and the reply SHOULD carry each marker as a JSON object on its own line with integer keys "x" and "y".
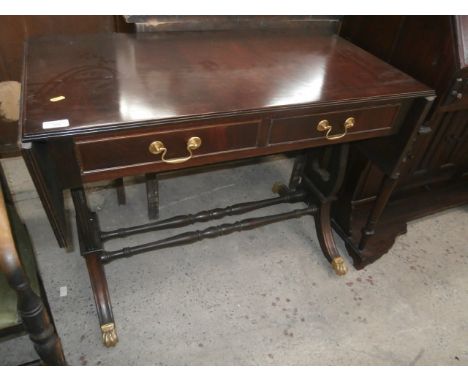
{"x": 15, "y": 266}
{"x": 314, "y": 24}
{"x": 434, "y": 50}
{"x": 162, "y": 102}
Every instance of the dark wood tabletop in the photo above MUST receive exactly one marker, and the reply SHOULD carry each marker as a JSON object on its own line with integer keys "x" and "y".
{"x": 97, "y": 82}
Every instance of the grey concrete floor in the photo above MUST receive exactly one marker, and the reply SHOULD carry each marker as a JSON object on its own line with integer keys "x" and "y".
{"x": 263, "y": 297}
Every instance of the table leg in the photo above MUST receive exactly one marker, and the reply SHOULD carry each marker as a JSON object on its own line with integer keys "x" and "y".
{"x": 120, "y": 188}
{"x": 386, "y": 189}
{"x": 297, "y": 171}
{"x": 323, "y": 175}
{"x": 91, "y": 249}
{"x": 102, "y": 299}
{"x": 326, "y": 240}
{"x": 152, "y": 194}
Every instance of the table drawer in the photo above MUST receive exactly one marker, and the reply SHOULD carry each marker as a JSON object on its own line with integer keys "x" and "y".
{"x": 100, "y": 153}
{"x": 367, "y": 122}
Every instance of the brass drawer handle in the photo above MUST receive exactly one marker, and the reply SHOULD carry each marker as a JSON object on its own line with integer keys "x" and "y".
{"x": 324, "y": 125}
{"x": 157, "y": 147}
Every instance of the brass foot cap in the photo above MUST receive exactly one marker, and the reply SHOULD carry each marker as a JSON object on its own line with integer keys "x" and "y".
{"x": 339, "y": 266}
{"x": 277, "y": 187}
{"x": 109, "y": 335}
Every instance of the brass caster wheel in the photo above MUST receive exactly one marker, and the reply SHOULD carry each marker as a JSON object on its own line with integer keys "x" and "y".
{"x": 339, "y": 266}
{"x": 109, "y": 335}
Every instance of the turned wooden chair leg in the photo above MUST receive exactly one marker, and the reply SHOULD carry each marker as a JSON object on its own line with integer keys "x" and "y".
{"x": 37, "y": 323}
{"x": 91, "y": 249}
{"x": 386, "y": 189}
{"x": 34, "y": 316}
{"x": 152, "y": 194}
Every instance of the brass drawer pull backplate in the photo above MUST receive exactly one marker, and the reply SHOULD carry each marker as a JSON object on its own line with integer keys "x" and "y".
{"x": 324, "y": 125}
{"x": 157, "y": 147}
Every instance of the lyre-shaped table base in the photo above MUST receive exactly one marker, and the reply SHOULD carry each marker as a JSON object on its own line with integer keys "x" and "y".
{"x": 303, "y": 188}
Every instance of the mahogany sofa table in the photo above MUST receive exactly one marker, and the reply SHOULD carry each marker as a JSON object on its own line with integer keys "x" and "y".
{"x": 101, "y": 107}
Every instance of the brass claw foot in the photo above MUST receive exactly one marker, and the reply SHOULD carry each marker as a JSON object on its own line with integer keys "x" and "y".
{"x": 339, "y": 266}
{"x": 279, "y": 188}
{"x": 109, "y": 335}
